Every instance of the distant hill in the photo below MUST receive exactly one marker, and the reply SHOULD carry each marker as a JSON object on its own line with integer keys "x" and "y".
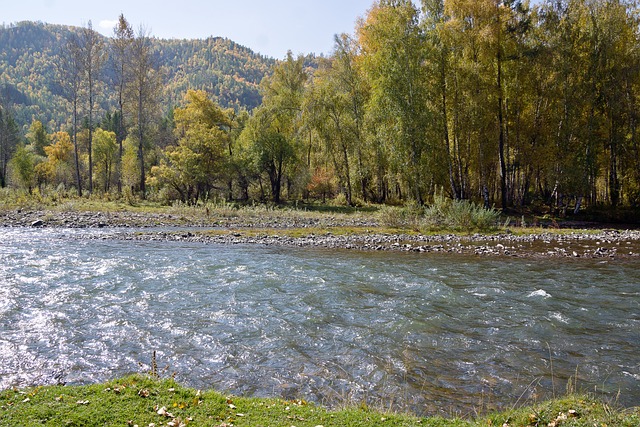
{"x": 29, "y": 51}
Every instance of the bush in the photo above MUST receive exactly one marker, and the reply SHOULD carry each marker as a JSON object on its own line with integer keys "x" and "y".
{"x": 441, "y": 214}
{"x": 408, "y": 216}
{"x": 459, "y": 215}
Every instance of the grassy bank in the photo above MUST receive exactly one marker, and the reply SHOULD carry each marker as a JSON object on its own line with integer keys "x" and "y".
{"x": 441, "y": 215}
{"x": 145, "y": 401}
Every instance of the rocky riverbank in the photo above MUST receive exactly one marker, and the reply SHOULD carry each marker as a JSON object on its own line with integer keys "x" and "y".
{"x": 125, "y": 219}
{"x": 608, "y": 245}
{"x": 363, "y": 234}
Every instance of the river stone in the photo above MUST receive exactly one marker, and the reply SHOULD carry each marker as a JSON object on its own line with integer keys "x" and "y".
{"x": 37, "y": 223}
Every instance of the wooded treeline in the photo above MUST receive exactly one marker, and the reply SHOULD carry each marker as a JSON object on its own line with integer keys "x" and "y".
{"x": 502, "y": 102}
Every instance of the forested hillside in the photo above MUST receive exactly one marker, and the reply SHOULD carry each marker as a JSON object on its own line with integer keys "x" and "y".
{"x": 30, "y": 53}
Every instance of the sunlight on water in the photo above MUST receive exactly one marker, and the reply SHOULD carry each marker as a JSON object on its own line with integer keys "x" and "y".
{"x": 428, "y": 333}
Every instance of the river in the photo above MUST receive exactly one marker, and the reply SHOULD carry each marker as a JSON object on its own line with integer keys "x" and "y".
{"x": 430, "y": 334}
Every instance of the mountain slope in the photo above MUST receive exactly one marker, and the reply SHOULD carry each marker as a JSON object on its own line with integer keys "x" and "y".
{"x": 29, "y": 52}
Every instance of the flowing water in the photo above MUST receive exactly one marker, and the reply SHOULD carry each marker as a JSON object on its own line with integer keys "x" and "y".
{"x": 424, "y": 333}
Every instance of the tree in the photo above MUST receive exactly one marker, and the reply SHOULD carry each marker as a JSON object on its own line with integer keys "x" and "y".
{"x": 478, "y": 35}
{"x": 328, "y": 114}
{"x": 123, "y": 37}
{"x": 241, "y": 164}
{"x": 70, "y": 70}
{"x": 197, "y": 162}
{"x": 143, "y": 92}
{"x": 271, "y": 150}
{"x": 393, "y": 57}
{"x": 58, "y": 167}
{"x": 22, "y": 165}
{"x": 93, "y": 57}
{"x": 9, "y": 138}
{"x": 437, "y": 42}
{"x": 335, "y": 109}
{"x": 37, "y": 137}
{"x": 273, "y": 130}
{"x": 105, "y": 148}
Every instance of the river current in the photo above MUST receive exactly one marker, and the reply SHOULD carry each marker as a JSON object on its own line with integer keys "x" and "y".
{"x": 430, "y": 334}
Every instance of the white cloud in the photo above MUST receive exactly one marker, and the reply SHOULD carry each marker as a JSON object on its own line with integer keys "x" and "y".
{"x": 107, "y": 24}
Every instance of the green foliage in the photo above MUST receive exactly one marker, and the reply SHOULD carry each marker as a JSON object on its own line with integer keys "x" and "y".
{"x": 37, "y": 137}
{"x": 400, "y": 217}
{"x": 105, "y": 151}
{"x": 23, "y": 168}
{"x": 394, "y": 54}
{"x": 9, "y": 137}
{"x": 130, "y": 164}
{"x": 194, "y": 166}
{"x": 459, "y": 215}
{"x": 272, "y": 133}
{"x": 441, "y": 214}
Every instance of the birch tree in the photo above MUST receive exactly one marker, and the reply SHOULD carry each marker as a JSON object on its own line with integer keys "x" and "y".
{"x": 143, "y": 93}
{"x": 70, "y": 70}
{"x": 93, "y": 58}
{"x": 393, "y": 52}
{"x": 121, "y": 56}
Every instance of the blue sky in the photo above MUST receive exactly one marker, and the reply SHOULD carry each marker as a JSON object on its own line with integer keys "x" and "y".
{"x": 270, "y": 27}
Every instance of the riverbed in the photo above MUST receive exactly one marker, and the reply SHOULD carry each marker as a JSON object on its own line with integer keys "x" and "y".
{"x": 431, "y": 334}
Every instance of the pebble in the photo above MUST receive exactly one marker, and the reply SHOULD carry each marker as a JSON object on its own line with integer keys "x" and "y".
{"x": 540, "y": 245}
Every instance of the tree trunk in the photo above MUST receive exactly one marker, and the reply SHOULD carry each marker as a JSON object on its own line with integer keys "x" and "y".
{"x": 501, "y": 155}
{"x": 445, "y": 127}
{"x": 143, "y": 188}
{"x": 75, "y": 146}
{"x": 614, "y": 184}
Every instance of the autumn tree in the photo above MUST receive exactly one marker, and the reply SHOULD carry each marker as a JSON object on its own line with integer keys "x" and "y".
{"x": 392, "y": 44}
{"x": 58, "y": 167}
{"x": 439, "y": 67}
{"x": 105, "y": 150}
{"x": 335, "y": 109}
{"x": 197, "y": 163}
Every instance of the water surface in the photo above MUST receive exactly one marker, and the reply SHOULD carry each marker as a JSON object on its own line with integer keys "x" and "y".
{"x": 425, "y": 333}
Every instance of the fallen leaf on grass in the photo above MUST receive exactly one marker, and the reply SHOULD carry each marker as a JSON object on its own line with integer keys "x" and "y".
{"x": 163, "y": 412}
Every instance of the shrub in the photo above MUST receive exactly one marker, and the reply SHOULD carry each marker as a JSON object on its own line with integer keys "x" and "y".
{"x": 459, "y": 215}
{"x": 408, "y": 216}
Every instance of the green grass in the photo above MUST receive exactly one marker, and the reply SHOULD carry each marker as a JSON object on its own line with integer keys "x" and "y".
{"x": 144, "y": 401}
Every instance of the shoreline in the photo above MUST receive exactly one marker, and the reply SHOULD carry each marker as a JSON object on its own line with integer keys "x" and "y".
{"x": 330, "y": 232}
{"x": 148, "y": 400}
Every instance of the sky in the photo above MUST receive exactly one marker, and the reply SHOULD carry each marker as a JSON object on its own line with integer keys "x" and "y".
{"x": 269, "y": 27}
